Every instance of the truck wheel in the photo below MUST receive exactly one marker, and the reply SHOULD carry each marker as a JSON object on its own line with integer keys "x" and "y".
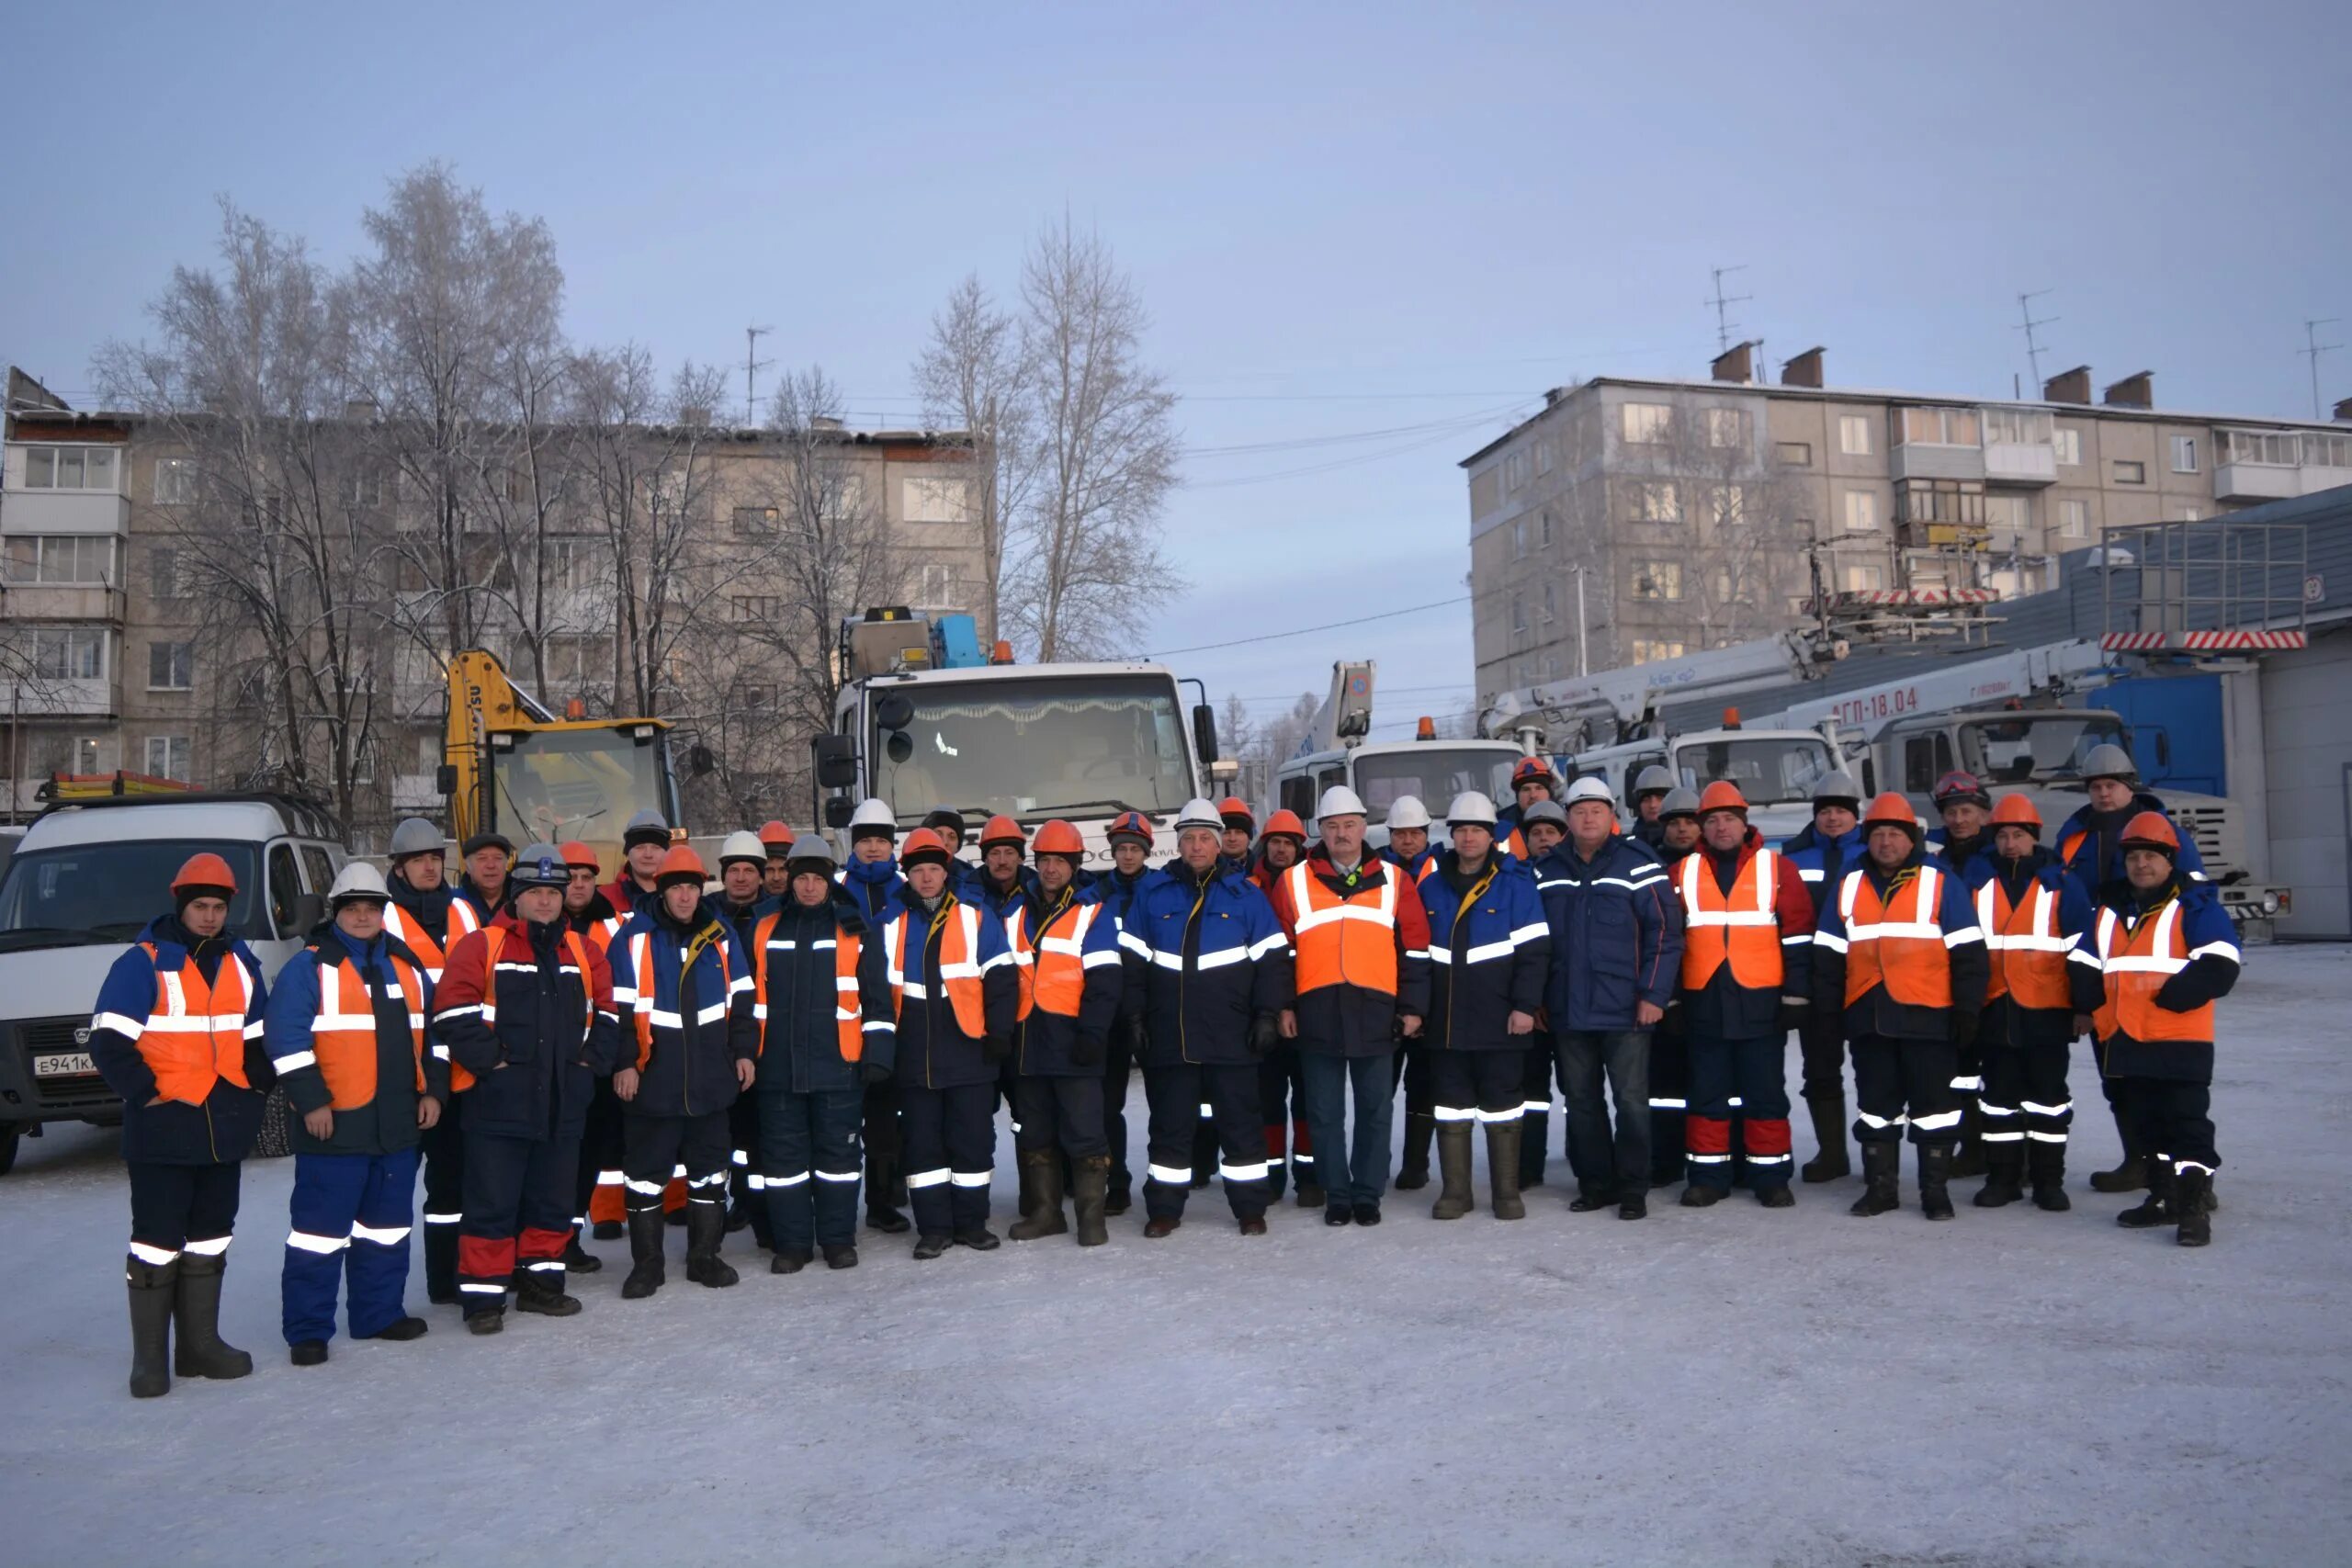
{"x": 274, "y": 1141}
{"x": 9, "y": 1133}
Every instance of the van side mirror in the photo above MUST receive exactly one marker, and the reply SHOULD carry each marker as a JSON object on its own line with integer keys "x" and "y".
{"x": 836, "y": 762}
{"x": 894, "y": 712}
{"x": 305, "y": 911}
{"x": 444, "y": 779}
{"x": 837, "y": 811}
{"x": 1204, "y": 732}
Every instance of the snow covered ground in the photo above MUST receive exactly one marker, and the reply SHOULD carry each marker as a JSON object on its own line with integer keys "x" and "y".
{"x": 1728, "y": 1385}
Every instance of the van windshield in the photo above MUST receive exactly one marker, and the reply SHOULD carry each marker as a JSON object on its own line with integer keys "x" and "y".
{"x": 1770, "y": 770}
{"x": 1433, "y": 774}
{"x": 2030, "y": 747}
{"x": 79, "y": 893}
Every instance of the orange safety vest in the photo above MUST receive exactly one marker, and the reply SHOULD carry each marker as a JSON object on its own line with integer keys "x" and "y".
{"x": 849, "y": 1026}
{"x": 463, "y": 922}
{"x": 343, "y": 1035}
{"x": 959, "y": 965}
{"x": 195, "y": 1034}
{"x": 1742, "y": 927}
{"x": 640, "y": 954}
{"x": 1053, "y": 972}
{"x": 494, "y": 943}
{"x": 1349, "y": 939}
{"x": 2029, "y": 954}
{"x": 2136, "y": 960}
{"x": 1897, "y": 943}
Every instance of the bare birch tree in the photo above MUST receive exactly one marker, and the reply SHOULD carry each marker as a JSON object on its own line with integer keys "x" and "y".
{"x": 974, "y": 375}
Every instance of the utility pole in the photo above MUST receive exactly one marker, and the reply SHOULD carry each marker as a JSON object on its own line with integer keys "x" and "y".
{"x": 751, "y": 367}
{"x": 1725, "y": 325}
{"x": 1584, "y": 660}
{"x": 2314, "y": 349}
{"x": 2027, "y": 322}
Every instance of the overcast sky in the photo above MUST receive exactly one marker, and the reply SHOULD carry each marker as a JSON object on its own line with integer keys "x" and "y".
{"x": 1393, "y": 225}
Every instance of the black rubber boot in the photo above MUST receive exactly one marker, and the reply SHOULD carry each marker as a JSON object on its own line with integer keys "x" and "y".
{"x": 153, "y": 1288}
{"x": 1311, "y": 1195}
{"x": 578, "y": 1260}
{"x": 540, "y": 1290}
{"x": 1421, "y": 1130}
{"x": 646, "y": 1229}
{"x": 1535, "y": 1128}
{"x": 1882, "y": 1179}
{"x": 1829, "y": 1131}
{"x": 980, "y": 1238}
{"x": 1502, "y": 1171}
{"x": 1090, "y": 1184}
{"x": 1041, "y": 1198}
{"x": 929, "y": 1246}
{"x": 441, "y": 1265}
{"x": 2046, "y": 1163}
{"x": 2189, "y": 1188}
{"x": 2131, "y": 1174}
{"x": 881, "y": 1182}
{"x": 198, "y": 1350}
{"x": 2004, "y": 1174}
{"x": 706, "y": 1233}
{"x": 1935, "y": 1175}
{"x": 2156, "y": 1208}
{"x": 1454, "y": 1199}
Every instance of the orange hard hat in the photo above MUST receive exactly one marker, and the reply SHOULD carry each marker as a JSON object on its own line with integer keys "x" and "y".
{"x": 1133, "y": 824}
{"x": 1892, "y": 811}
{"x": 1002, "y": 829}
{"x": 2152, "y": 830}
{"x": 206, "y": 871}
{"x": 1059, "y": 837}
{"x": 579, "y": 856}
{"x": 680, "y": 861}
{"x": 2015, "y": 811}
{"x": 1531, "y": 769}
{"x": 1722, "y": 796}
{"x": 1286, "y": 823}
{"x": 1233, "y": 806}
{"x": 775, "y": 835}
{"x": 923, "y": 845}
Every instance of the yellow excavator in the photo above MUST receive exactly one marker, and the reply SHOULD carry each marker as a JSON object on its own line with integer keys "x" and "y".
{"x": 510, "y": 765}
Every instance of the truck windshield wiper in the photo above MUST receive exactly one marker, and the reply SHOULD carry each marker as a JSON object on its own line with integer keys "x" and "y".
{"x": 1083, "y": 805}
{"x": 29, "y": 936}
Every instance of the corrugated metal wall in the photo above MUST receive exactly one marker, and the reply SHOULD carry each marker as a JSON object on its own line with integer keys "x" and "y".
{"x": 2307, "y": 734}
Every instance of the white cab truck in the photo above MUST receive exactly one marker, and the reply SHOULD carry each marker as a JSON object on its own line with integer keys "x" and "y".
{"x": 923, "y": 722}
{"x": 1334, "y": 751}
{"x": 1776, "y": 769}
{"x": 84, "y": 880}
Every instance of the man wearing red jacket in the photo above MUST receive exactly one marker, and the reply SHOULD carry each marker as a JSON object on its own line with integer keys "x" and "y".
{"x": 643, "y": 843}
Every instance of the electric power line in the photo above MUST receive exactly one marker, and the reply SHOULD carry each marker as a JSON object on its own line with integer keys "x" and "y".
{"x": 1303, "y": 631}
{"x": 2314, "y": 349}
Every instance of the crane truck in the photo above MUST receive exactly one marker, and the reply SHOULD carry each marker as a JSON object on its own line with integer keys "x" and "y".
{"x": 923, "y": 719}
{"x": 1335, "y": 751}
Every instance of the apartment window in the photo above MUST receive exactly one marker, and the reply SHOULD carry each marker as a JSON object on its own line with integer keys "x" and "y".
{"x": 2068, "y": 444}
{"x": 1551, "y": 603}
{"x": 1726, "y": 427}
{"x": 753, "y": 520}
{"x": 1861, "y": 577}
{"x": 567, "y": 564}
{"x": 1658, "y": 579}
{"x": 171, "y": 666}
{"x": 1657, "y": 501}
{"x": 1861, "y": 511}
{"x": 1941, "y": 427}
{"x": 1646, "y": 424}
{"x": 1518, "y": 538}
{"x": 938, "y": 586}
{"x": 167, "y": 757}
{"x": 1518, "y": 615}
{"x": 756, "y": 606}
{"x": 69, "y": 467}
{"x": 1646, "y": 651}
{"x": 2016, "y": 427}
{"x": 1543, "y": 530}
{"x": 938, "y": 499}
{"x": 1726, "y": 589}
{"x": 1854, "y": 435}
{"x": 365, "y": 488}
{"x": 174, "y": 480}
{"x": 2129, "y": 473}
{"x": 69, "y": 653}
{"x": 64, "y": 557}
{"x": 2190, "y": 514}
{"x": 2184, "y": 453}
{"x": 1794, "y": 454}
{"x": 163, "y": 573}
{"x": 1940, "y": 500}
{"x": 2074, "y": 519}
{"x": 2279, "y": 446}
{"x": 1730, "y": 504}
{"x": 1514, "y": 472}
{"x": 2323, "y": 450}
{"x": 1543, "y": 456}
{"x": 578, "y": 660}
{"x": 2009, "y": 516}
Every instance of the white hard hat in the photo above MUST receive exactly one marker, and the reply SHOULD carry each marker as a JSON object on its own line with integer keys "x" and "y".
{"x": 1592, "y": 788}
{"x": 1407, "y": 811}
{"x": 358, "y": 879}
{"x": 1339, "y": 801}
{"x": 1470, "y": 809}
{"x": 872, "y": 813}
{"x": 1200, "y": 813}
{"x": 742, "y": 845}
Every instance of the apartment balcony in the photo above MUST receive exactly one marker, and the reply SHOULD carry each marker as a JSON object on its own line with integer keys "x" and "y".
{"x": 2257, "y": 481}
{"x": 2020, "y": 463}
{"x": 1932, "y": 460}
{"x": 64, "y": 511}
{"x": 35, "y": 696}
{"x": 2278, "y": 465}
{"x": 50, "y": 603}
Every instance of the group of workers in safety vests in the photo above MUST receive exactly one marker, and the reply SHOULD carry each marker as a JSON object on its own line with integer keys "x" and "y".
{"x": 572, "y": 1060}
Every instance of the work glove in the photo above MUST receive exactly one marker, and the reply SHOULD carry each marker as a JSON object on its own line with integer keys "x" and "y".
{"x": 1088, "y": 1052}
{"x": 1264, "y": 1035}
{"x": 995, "y": 1048}
{"x": 2173, "y": 997}
{"x": 873, "y": 1072}
{"x": 1963, "y": 1028}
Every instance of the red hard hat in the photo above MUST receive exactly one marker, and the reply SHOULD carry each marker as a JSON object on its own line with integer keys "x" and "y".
{"x": 922, "y": 845}
{"x": 205, "y": 870}
{"x": 1957, "y": 786}
{"x": 1722, "y": 796}
{"x": 1059, "y": 837}
{"x": 2017, "y": 812}
{"x": 1233, "y": 806}
{"x": 775, "y": 835}
{"x": 1002, "y": 830}
{"x": 1133, "y": 825}
{"x": 2152, "y": 830}
{"x": 1287, "y": 824}
{"x": 1528, "y": 768}
{"x": 680, "y": 861}
{"x": 1892, "y": 811}
{"x": 579, "y": 856}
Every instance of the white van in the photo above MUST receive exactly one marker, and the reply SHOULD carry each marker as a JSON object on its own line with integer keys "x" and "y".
{"x": 85, "y": 878}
